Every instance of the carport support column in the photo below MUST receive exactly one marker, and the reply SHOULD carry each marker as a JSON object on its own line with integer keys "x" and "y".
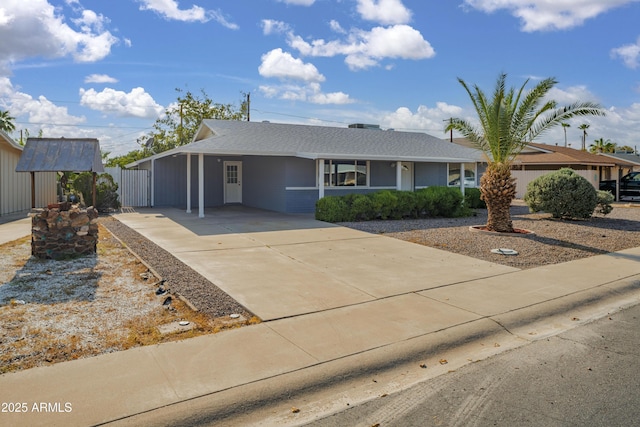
{"x": 398, "y": 176}
{"x": 201, "y": 185}
{"x": 153, "y": 182}
{"x": 320, "y": 179}
{"x": 462, "y": 178}
{"x": 188, "y": 182}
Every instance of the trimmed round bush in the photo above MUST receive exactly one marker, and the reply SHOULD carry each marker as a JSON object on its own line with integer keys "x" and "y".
{"x": 439, "y": 201}
{"x": 362, "y": 208}
{"x": 473, "y": 200}
{"x": 563, "y": 194}
{"x": 332, "y": 209}
{"x": 605, "y": 199}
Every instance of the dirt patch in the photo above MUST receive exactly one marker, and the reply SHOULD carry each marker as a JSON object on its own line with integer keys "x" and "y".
{"x": 54, "y": 311}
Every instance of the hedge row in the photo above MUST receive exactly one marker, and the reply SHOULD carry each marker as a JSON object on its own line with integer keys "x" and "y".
{"x": 393, "y": 204}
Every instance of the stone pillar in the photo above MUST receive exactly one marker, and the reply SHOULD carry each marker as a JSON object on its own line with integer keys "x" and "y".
{"x": 62, "y": 231}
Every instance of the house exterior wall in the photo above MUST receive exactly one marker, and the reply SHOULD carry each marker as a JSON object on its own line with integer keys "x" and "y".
{"x": 282, "y": 184}
{"x": 170, "y": 181}
{"x": 264, "y": 182}
{"x": 15, "y": 187}
{"x": 430, "y": 174}
{"x": 382, "y": 174}
{"x": 523, "y": 178}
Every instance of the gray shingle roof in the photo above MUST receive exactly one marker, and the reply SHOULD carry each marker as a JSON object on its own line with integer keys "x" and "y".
{"x": 59, "y": 155}
{"x": 229, "y": 137}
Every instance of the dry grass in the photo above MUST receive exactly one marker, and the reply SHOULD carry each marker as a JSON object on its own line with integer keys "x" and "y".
{"x": 55, "y": 311}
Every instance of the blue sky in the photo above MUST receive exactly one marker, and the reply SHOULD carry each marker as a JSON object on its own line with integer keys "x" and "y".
{"x": 108, "y": 69}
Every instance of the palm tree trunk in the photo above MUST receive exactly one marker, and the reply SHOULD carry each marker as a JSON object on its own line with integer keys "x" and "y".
{"x": 498, "y": 189}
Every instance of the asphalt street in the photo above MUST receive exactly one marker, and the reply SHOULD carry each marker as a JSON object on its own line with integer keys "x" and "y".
{"x": 587, "y": 376}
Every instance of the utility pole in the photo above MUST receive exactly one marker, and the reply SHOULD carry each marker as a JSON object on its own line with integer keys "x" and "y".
{"x": 249, "y": 106}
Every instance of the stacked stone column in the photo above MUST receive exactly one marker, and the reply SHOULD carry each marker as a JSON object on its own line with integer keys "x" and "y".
{"x": 62, "y": 232}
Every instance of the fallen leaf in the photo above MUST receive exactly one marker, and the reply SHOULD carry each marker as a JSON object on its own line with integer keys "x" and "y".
{"x": 443, "y": 361}
{"x": 423, "y": 365}
{"x": 295, "y": 410}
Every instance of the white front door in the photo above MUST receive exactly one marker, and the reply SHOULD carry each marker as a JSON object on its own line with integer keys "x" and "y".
{"x": 232, "y": 182}
{"x": 407, "y": 176}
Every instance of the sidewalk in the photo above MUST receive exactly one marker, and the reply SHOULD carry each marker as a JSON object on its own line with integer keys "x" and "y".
{"x": 374, "y": 322}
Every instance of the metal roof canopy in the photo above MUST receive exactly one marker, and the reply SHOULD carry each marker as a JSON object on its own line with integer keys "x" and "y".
{"x": 60, "y": 155}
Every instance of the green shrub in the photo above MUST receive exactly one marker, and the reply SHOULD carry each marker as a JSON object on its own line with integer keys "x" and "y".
{"x": 473, "y": 200}
{"x": 406, "y": 206}
{"x": 385, "y": 204}
{"x": 106, "y": 190}
{"x": 439, "y": 201}
{"x": 605, "y": 199}
{"x": 362, "y": 208}
{"x": 563, "y": 194}
{"x": 332, "y": 209}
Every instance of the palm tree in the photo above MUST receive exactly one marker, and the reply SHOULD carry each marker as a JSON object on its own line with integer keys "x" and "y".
{"x": 6, "y": 122}
{"x": 602, "y": 146}
{"x": 583, "y": 127}
{"x": 506, "y": 120}
{"x": 565, "y": 126}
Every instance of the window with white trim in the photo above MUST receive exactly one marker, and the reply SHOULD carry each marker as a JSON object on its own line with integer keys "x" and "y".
{"x": 346, "y": 173}
{"x": 469, "y": 175}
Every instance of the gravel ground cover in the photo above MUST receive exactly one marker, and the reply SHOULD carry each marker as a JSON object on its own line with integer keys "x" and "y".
{"x": 57, "y": 310}
{"x": 180, "y": 278}
{"x": 554, "y": 241}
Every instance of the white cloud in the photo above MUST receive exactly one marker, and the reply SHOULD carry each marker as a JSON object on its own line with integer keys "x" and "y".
{"x": 136, "y": 103}
{"x": 336, "y": 27}
{"x": 543, "y": 15}
{"x": 298, "y": 2}
{"x": 629, "y": 53}
{"x": 169, "y": 9}
{"x": 47, "y": 33}
{"x": 270, "y": 26}
{"x": 100, "y": 78}
{"x": 364, "y": 49}
{"x": 282, "y": 65}
{"x": 41, "y": 112}
{"x": 311, "y": 93}
{"x": 385, "y": 12}
{"x": 431, "y": 120}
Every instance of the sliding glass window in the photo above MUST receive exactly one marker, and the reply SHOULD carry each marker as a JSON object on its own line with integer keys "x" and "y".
{"x": 345, "y": 173}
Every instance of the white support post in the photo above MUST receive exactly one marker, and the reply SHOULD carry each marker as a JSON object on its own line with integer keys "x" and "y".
{"x": 153, "y": 178}
{"x": 201, "y": 185}
{"x": 398, "y": 175}
{"x": 320, "y": 179}
{"x": 462, "y": 178}
{"x": 188, "y": 182}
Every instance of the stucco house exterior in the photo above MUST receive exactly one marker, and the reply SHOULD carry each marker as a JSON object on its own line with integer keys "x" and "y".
{"x": 287, "y": 168}
{"x": 538, "y": 159}
{"x": 15, "y": 187}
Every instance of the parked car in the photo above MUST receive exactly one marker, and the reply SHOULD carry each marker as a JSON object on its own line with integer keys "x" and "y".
{"x": 629, "y": 185}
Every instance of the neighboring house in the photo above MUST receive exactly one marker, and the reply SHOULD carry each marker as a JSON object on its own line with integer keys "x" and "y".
{"x": 287, "y": 168}
{"x": 15, "y": 187}
{"x": 631, "y": 158}
{"x": 539, "y": 159}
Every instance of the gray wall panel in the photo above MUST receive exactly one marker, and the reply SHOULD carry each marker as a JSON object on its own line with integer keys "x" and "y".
{"x": 428, "y": 174}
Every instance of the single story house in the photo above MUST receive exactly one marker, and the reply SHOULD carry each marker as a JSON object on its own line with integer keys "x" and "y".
{"x": 287, "y": 168}
{"x": 538, "y": 159}
{"x": 632, "y": 159}
{"x": 15, "y": 187}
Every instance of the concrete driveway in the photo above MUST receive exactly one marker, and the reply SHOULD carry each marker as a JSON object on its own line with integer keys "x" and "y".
{"x": 280, "y": 265}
